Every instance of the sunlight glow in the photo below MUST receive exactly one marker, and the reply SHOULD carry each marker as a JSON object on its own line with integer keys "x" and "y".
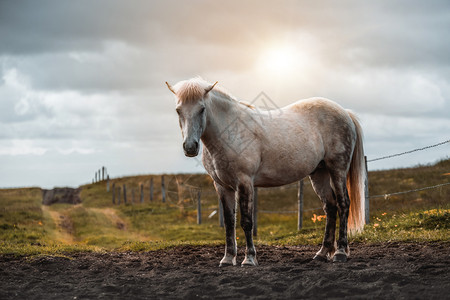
{"x": 281, "y": 59}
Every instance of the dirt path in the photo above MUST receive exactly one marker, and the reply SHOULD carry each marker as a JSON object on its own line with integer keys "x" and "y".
{"x": 64, "y": 227}
{"x": 384, "y": 271}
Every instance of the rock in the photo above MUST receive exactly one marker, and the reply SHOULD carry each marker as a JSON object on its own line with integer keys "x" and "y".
{"x": 61, "y": 195}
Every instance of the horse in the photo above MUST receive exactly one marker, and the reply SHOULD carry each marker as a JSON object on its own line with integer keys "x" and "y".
{"x": 245, "y": 147}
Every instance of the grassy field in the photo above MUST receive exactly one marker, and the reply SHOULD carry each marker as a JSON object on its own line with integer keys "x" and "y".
{"x": 29, "y": 228}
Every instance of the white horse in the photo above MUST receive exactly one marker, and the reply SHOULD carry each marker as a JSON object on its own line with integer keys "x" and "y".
{"x": 246, "y": 148}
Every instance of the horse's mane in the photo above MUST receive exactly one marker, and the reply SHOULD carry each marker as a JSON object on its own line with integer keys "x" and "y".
{"x": 193, "y": 89}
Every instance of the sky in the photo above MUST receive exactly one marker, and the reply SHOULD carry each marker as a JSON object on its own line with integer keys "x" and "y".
{"x": 82, "y": 82}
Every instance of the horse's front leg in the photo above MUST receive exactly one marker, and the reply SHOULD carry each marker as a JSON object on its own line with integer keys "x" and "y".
{"x": 245, "y": 195}
{"x": 227, "y": 198}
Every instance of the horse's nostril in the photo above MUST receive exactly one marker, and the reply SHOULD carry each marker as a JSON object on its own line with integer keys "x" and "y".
{"x": 190, "y": 147}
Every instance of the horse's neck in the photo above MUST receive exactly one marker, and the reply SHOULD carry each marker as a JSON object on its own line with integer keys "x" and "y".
{"x": 223, "y": 112}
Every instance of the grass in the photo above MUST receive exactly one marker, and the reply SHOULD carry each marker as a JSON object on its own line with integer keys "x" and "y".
{"x": 428, "y": 225}
{"x": 28, "y": 228}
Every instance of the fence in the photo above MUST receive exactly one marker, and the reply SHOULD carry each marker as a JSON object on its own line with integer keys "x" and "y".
{"x": 196, "y": 194}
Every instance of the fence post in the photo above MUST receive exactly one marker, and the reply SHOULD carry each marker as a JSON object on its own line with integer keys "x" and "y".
{"x": 95, "y": 176}
{"x": 300, "y": 205}
{"x": 118, "y": 195}
{"x": 366, "y": 192}
{"x": 255, "y": 212}
{"x": 199, "y": 208}
{"x": 220, "y": 213}
{"x": 113, "y": 193}
{"x": 151, "y": 189}
{"x": 107, "y": 183}
{"x": 163, "y": 189}
{"x": 124, "y": 194}
{"x": 103, "y": 173}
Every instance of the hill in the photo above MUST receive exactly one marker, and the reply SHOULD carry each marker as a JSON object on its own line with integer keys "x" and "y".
{"x": 97, "y": 224}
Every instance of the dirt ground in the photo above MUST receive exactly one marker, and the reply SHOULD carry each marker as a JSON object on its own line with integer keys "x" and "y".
{"x": 384, "y": 271}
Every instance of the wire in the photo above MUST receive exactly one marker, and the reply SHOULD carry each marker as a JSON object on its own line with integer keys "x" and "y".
{"x": 410, "y": 191}
{"x": 407, "y": 152}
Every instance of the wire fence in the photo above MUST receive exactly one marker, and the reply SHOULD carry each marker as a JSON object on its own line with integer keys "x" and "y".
{"x": 195, "y": 191}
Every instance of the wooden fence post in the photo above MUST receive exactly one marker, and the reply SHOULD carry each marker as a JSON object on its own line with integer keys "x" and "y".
{"x": 103, "y": 173}
{"x": 366, "y": 192}
{"x": 124, "y": 194}
{"x": 151, "y": 189}
{"x": 163, "y": 189}
{"x": 95, "y": 176}
{"x": 199, "y": 208}
{"x": 255, "y": 212}
{"x": 113, "y": 193}
{"x": 107, "y": 183}
{"x": 142, "y": 193}
{"x": 220, "y": 214}
{"x": 118, "y": 195}
{"x": 300, "y": 205}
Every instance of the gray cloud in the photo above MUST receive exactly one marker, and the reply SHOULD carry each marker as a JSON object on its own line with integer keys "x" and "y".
{"x": 89, "y": 85}
{"x": 172, "y": 37}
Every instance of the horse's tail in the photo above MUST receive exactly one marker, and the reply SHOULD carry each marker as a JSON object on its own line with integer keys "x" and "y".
{"x": 355, "y": 182}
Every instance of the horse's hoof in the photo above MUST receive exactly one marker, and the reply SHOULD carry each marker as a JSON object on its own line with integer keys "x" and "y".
{"x": 223, "y": 264}
{"x": 340, "y": 258}
{"x": 249, "y": 262}
{"x": 320, "y": 258}
{"x": 228, "y": 260}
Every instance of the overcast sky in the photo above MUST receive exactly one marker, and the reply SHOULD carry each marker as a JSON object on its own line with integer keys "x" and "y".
{"x": 82, "y": 82}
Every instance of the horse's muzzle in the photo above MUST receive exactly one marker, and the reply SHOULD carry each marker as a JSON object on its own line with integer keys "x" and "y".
{"x": 190, "y": 149}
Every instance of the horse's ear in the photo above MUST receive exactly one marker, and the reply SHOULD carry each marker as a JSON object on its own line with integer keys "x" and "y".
{"x": 171, "y": 88}
{"x": 208, "y": 89}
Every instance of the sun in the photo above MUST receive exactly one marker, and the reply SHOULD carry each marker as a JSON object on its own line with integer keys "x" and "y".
{"x": 279, "y": 59}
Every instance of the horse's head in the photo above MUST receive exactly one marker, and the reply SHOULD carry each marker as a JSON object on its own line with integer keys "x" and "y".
{"x": 191, "y": 97}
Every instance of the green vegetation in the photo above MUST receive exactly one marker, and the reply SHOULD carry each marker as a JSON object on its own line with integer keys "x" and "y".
{"x": 28, "y": 228}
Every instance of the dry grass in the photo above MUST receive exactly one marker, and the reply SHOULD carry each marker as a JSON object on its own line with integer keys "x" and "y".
{"x": 98, "y": 225}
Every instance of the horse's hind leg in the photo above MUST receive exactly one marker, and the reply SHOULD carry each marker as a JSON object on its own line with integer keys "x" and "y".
{"x": 320, "y": 181}
{"x": 343, "y": 203}
{"x": 245, "y": 193}
{"x": 227, "y": 197}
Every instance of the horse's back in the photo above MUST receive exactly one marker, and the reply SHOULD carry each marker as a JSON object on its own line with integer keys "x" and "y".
{"x": 317, "y": 106}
